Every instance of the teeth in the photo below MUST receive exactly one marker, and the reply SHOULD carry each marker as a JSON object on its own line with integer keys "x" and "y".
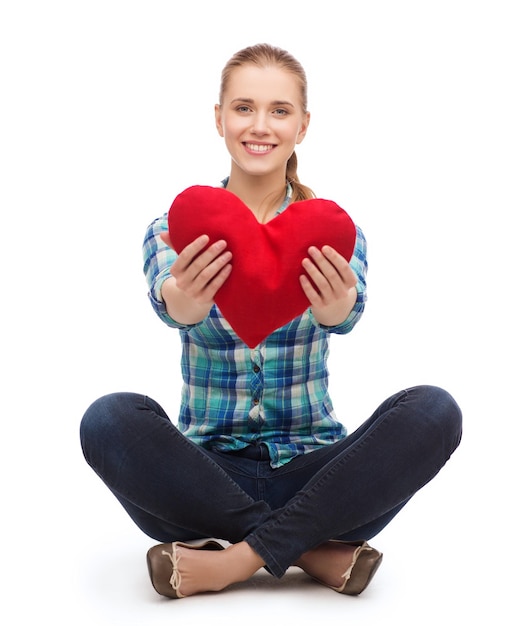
{"x": 259, "y": 148}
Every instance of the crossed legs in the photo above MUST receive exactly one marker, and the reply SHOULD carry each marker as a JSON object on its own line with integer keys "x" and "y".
{"x": 175, "y": 491}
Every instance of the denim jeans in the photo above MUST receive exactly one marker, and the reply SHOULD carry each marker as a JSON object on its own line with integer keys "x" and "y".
{"x": 174, "y": 490}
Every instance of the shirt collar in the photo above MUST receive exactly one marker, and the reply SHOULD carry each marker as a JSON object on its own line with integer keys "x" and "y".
{"x": 287, "y": 199}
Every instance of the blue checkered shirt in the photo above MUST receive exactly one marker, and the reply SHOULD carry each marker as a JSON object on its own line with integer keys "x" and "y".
{"x": 276, "y": 393}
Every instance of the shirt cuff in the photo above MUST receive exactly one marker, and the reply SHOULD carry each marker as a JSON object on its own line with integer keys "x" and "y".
{"x": 339, "y": 329}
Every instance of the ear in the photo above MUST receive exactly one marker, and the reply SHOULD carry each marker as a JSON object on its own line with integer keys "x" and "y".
{"x": 218, "y": 120}
{"x": 304, "y": 128}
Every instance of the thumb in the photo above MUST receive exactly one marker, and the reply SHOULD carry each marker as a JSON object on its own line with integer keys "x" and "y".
{"x": 165, "y": 237}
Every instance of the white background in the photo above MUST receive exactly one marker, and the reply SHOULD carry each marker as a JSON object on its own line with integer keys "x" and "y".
{"x": 107, "y": 114}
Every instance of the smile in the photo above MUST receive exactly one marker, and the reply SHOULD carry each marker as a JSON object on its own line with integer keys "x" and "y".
{"x": 254, "y": 147}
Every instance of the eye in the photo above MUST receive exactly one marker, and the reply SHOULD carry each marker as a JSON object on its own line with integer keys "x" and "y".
{"x": 280, "y": 112}
{"x": 243, "y": 109}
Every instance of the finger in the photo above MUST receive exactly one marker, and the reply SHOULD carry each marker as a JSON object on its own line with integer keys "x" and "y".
{"x": 327, "y": 261}
{"x": 195, "y": 256}
{"x": 315, "y": 274}
{"x": 217, "y": 282}
{"x": 335, "y": 258}
{"x": 189, "y": 252}
{"x": 209, "y": 272}
{"x": 197, "y": 281}
{"x": 321, "y": 271}
{"x": 341, "y": 265}
{"x": 309, "y": 290}
{"x": 334, "y": 267}
{"x": 204, "y": 262}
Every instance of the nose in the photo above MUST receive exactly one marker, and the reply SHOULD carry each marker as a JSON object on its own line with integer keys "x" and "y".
{"x": 260, "y": 124}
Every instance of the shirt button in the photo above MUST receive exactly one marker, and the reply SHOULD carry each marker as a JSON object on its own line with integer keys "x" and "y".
{"x": 255, "y": 401}
{"x": 256, "y": 369}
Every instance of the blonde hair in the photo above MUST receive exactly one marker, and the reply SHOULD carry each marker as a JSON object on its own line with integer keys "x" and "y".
{"x": 265, "y": 55}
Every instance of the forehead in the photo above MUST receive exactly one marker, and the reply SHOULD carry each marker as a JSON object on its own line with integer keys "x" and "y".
{"x": 263, "y": 83}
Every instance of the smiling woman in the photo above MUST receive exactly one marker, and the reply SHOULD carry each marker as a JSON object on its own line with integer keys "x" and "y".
{"x": 259, "y": 458}
{"x": 291, "y": 99}
{"x": 260, "y": 130}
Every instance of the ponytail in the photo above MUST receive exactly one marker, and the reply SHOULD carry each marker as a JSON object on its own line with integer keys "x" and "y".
{"x": 300, "y": 191}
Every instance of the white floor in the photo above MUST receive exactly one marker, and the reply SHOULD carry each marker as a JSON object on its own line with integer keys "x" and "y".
{"x": 415, "y": 131}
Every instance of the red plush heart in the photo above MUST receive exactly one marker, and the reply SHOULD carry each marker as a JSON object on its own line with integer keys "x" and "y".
{"x": 263, "y": 291}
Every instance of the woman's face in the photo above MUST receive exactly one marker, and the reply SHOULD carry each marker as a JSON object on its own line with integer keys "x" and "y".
{"x": 261, "y": 118}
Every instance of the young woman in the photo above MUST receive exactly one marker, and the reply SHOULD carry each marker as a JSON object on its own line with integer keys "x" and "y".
{"x": 259, "y": 460}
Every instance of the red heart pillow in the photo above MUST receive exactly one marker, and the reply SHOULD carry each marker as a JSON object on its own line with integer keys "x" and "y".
{"x": 263, "y": 291}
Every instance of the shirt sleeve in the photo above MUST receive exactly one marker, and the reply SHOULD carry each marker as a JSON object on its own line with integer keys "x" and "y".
{"x": 157, "y": 260}
{"x": 358, "y": 264}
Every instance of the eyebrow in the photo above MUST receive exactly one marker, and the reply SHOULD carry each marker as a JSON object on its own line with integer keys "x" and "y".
{"x": 274, "y": 103}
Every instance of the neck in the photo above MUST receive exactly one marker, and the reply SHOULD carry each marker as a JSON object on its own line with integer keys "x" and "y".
{"x": 263, "y": 195}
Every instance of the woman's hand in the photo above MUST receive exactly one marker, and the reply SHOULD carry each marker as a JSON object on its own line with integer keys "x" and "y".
{"x": 197, "y": 275}
{"x": 332, "y": 288}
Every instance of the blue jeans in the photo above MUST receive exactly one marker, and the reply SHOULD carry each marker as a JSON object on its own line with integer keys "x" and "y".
{"x": 174, "y": 490}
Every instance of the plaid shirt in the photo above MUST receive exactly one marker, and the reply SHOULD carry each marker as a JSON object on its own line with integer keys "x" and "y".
{"x": 276, "y": 393}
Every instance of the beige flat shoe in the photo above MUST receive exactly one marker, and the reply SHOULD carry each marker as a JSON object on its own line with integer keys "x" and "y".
{"x": 366, "y": 561}
{"x": 162, "y": 562}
